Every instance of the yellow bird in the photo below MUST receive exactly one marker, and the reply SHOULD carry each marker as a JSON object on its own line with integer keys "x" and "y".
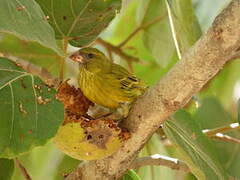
{"x": 106, "y": 83}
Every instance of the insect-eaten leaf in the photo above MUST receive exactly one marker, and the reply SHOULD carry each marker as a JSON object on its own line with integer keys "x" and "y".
{"x": 30, "y": 114}
{"x": 82, "y": 136}
{"x": 73, "y": 99}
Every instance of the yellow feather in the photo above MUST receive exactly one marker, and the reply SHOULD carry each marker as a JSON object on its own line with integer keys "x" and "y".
{"x": 106, "y": 83}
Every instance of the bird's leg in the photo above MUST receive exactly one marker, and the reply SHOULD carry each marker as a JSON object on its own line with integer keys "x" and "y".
{"x": 124, "y": 109}
{"x": 104, "y": 115}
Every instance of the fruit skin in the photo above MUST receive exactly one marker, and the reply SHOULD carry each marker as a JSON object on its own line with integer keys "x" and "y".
{"x": 79, "y": 142}
{"x": 104, "y": 82}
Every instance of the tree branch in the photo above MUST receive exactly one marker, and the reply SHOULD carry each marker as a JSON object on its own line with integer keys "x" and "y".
{"x": 141, "y": 27}
{"x": 116, "y": 50}
{"x": 201, "y": 63}
{"x": 159, "y": 160}
{"x": 213, "y": 132}
{"x": 225, "y": 138}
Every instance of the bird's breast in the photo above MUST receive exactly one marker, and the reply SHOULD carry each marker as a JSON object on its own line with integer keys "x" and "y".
{"x": 100, "y": 90}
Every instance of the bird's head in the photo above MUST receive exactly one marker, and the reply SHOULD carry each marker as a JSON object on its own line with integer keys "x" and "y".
{"x": 91, "y": 59}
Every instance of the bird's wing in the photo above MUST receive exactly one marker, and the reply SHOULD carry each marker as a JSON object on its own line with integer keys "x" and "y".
{"x": 126, "y": 81}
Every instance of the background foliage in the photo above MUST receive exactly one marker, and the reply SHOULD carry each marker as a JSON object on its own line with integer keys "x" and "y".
{"x": 39, "y": 31}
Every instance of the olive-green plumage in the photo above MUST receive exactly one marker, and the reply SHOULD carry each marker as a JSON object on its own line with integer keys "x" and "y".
{"x": 104, "y": 82}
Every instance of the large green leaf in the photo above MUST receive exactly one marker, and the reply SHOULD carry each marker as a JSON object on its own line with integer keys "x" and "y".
{"x": 198, "y": 152}
{"x": 25, "y": 19}
{"x": 6, "y": 169}
{"x": 157, "y": 37}
{"x": 30, "y": 114}
{"x": 79, "y": 21}
{"x": 210, "y": 115}
{"x": 185, "y": 23}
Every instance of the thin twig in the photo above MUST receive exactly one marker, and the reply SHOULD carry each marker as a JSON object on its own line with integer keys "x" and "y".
{"x": 116, "y": 50}
{"x": 22, "y": 170}
{"x": 110, "y": 55}
{"x": 217, "y": 133}
{"x": 130, "y": 67}
{"x": 225, "y": 138}
{"x": 141, "y": 27}
{"x": 213, "y": 132}
{"x": 160, "y": 160}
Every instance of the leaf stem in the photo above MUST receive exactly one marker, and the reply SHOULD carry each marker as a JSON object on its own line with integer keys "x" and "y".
{"x": 141, "y": 27}
{"x": 22, "y": 170}
{"x": 62, "y": 59}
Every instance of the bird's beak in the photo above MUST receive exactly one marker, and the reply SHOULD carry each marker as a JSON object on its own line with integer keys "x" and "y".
{"x": 78, "y": 57}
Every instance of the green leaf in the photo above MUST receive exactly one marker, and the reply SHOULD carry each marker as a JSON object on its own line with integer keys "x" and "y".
{"x": 32, "y": 52}
{"x": 79, "y": 21}
{"x": 211, "y": 114}
{"x": 25, "y": 19}
{"x": 197, "y": 150}
{"x": 157, "y": 37}
{"x": 185, "y": 23}
{"x": 131, "y": 175}
{"x": 6, "y": 169}
{"x": 30, "y": 114}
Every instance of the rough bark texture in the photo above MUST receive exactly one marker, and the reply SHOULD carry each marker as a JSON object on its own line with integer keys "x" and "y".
{"x": 187, "y": 77}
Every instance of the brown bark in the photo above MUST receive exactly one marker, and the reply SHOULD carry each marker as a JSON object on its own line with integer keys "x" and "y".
{"x": 202, "y": 62}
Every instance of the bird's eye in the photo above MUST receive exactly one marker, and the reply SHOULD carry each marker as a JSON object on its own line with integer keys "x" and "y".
{"x": 90, "y": 55}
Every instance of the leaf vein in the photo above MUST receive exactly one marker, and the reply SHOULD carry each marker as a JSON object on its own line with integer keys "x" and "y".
{"x": 13, "y": 117}
{"x": 78, "y": 17}
{"x": 12, "y": 70}
{"x": 36, "y": 106}
{"x": 14, "y": 79}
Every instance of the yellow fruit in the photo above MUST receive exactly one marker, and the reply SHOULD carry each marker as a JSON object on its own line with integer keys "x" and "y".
{"x": 96, "y": 140}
